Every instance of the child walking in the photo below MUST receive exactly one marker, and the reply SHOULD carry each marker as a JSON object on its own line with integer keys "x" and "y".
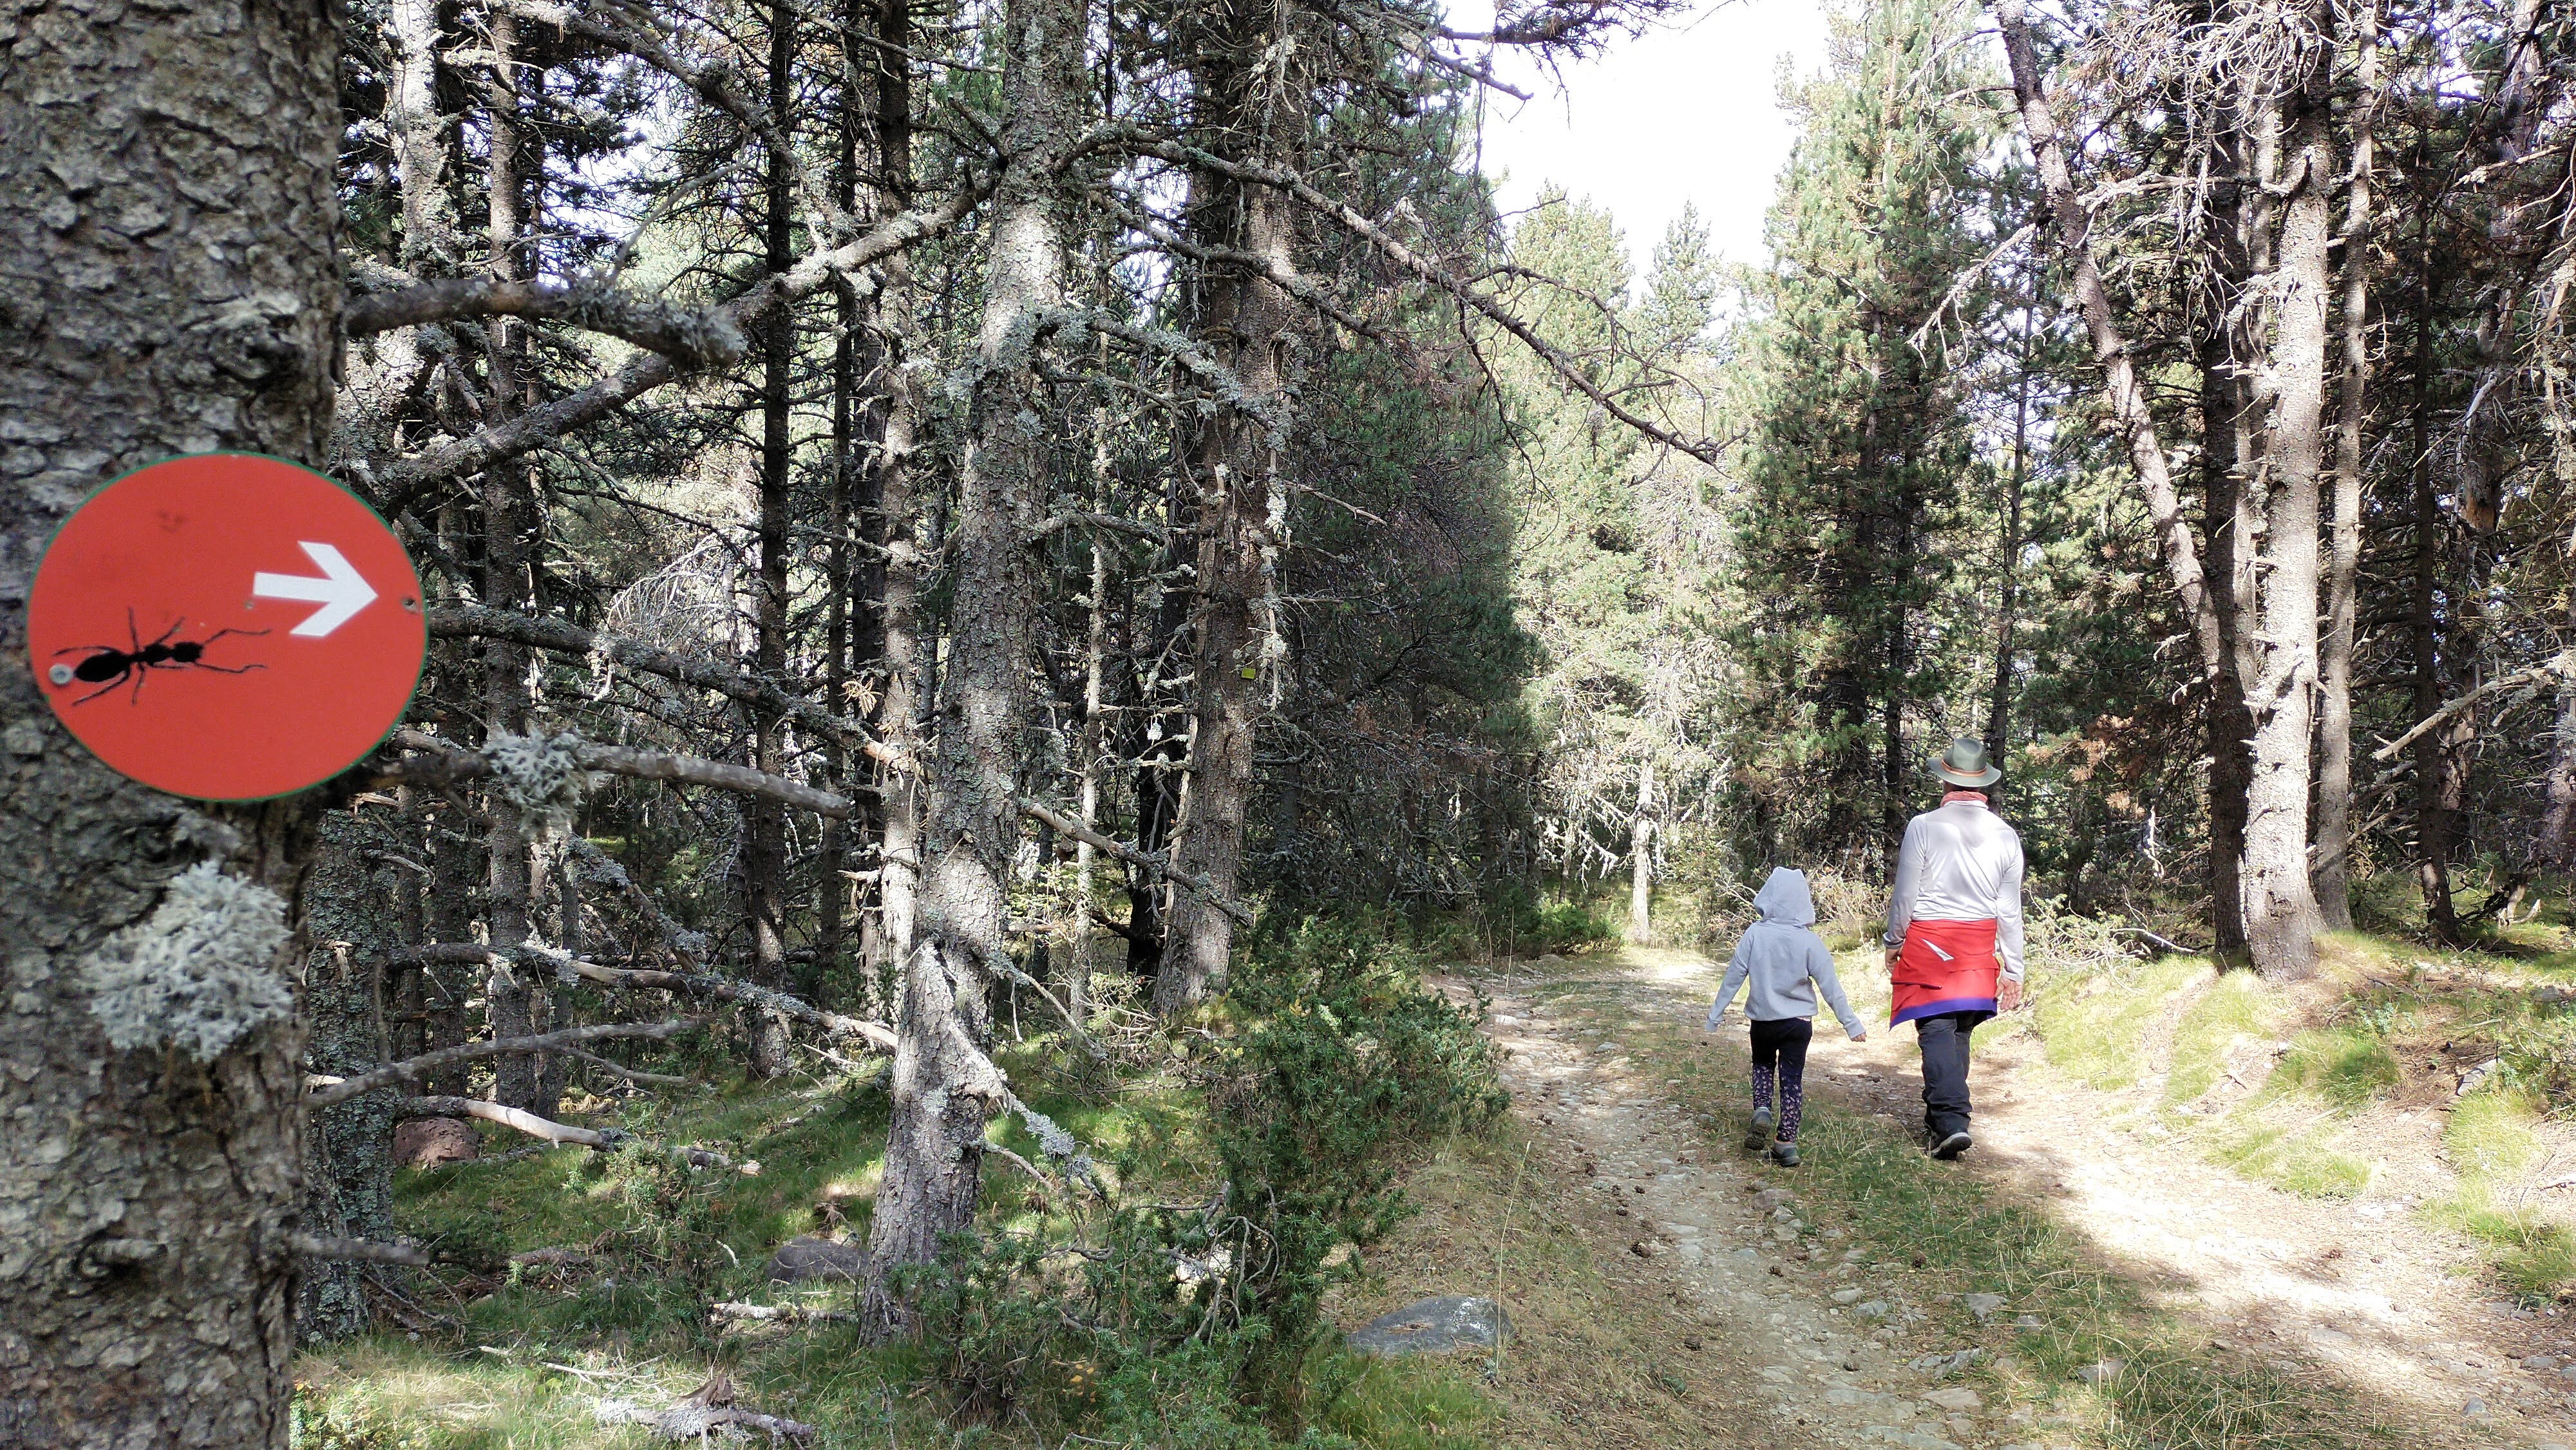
{"x": 1779, "y": 957}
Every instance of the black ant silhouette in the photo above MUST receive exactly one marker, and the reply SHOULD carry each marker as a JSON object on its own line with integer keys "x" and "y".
{"x": 109, "y": 667}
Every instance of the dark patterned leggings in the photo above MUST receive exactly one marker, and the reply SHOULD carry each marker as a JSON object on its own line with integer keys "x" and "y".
{"x": 1780, "y": 1058}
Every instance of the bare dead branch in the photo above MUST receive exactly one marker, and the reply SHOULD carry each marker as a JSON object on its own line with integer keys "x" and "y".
{"x": 692, "y": 337}
{"x": 411, "y": 1068}
{"x": 1153, "y": 861}
{"x": 560, "y": 636}
{"x": 1707, "y": 450}
{"x": 444, "y": 763}
{"x": 519, "y": 1118}
{"x": 356, "y": 1251}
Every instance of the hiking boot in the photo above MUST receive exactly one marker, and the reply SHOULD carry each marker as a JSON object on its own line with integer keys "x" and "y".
{"x": 1786, "y": 1155}
{"x": 1758, "y": 1136}
{"x": 1949, "y": 1148}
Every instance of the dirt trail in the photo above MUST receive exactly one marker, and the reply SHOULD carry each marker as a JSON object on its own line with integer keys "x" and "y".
{"x": 1831, "y": 1345}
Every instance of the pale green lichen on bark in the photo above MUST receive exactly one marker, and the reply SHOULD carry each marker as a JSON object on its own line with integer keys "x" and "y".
{"x": 198, "y": 973}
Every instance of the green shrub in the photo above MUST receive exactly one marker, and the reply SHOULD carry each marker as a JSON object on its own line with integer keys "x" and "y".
{"x": 1176, "y": 1323}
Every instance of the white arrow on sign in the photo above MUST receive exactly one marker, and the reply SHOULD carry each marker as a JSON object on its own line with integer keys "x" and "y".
{"x": 341, "y": 591}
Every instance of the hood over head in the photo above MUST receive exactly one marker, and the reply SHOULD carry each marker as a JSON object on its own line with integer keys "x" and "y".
{"x": 1784, "y": 898}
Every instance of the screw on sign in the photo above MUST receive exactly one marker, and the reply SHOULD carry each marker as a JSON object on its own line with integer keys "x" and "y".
{"x": 226, "y": 627}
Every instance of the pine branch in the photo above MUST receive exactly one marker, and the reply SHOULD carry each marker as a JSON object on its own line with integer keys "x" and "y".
{"x": 327, "y": 1091}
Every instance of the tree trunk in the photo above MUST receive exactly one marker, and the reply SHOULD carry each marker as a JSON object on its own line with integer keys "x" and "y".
{"x": 2280, "y": 907}
{"x": 146, "y": 1198}
{"x": 2008, "y": 594}
{"x": 2423, "y": 630}
{"x": 765, "y": 859}
{"x": 945, "y": 1087}
{"x": 1244, "y": 321}
{"x": 349, "y": 1145}
{"x": 511, "y": 996}
{"x": 2556, "y": 848}
{"x": 1641, "y": 857}
{"x": 2343, "y": 571}
{"x": 899, "y": 704}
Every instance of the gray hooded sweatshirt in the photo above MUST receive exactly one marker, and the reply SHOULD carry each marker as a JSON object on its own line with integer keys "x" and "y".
{"x": 1780, "y": 957}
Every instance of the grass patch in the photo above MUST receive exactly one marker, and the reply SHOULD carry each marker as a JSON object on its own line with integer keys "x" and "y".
{"x": 2346, "y": 1066}
{"x": 2092, "y": 1026}
{"x": 2286, "y": 1156}
{"x": 2493, "y": 1139}
{"x": 2234, "y": 1007}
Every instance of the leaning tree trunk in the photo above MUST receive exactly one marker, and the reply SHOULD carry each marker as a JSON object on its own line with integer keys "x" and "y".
{"x": 945, "y": 1087}
{"x": 168, "y": 284}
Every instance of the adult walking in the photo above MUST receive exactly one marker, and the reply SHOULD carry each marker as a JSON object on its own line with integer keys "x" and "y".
{"x": 1953, "y": 941}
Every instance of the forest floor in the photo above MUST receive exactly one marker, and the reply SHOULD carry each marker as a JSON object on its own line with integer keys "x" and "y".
{"x": 1671, "y": 1288}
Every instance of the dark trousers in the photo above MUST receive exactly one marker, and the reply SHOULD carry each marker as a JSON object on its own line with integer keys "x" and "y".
{"x": 1944, "y": 1040}
{"x": 1782, "y": 1043}
{"x": 1780, "y": 1058}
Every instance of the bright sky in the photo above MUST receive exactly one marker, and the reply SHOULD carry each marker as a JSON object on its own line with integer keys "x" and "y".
{"x": 1689, "y": 113}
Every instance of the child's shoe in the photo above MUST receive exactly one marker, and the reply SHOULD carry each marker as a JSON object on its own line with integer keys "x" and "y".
{"x": 1759, "y": 1136}
{"x": 1785, "y": 1154}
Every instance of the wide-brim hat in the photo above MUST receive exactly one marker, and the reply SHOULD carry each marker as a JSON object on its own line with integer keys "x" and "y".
{"x": 1965, "y": 764}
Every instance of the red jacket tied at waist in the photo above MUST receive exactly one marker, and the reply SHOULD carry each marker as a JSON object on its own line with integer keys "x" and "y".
{"x": 1944, "y": 966}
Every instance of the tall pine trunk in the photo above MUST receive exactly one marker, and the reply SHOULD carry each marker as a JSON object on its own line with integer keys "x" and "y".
{"x": 2343, "y": 572}
{"x": 896, "y": 529}
{"x": 1244, "y": 321}
{"x": 512, "y": 995}
{"x": 765, "y": 856}
{"x": 2280, "y": 906}
{"x": 945, "y": 1086}
{"x": 168, "y": 285}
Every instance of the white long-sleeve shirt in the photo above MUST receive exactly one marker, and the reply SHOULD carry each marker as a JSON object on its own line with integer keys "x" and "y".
{"x": 1960, "y": 863}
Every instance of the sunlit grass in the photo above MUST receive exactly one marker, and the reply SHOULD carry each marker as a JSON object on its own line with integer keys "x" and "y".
{"x": 2092, "y": 1027}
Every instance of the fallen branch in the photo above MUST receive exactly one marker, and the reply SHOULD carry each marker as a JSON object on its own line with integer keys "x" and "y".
{"x": 561, "y": 636}
{"x": 356, "y": 1251}
{"x": 2562, "y": 666}
{"x": 635, "y": 1074}
{"x": 340, "y": 1090}
{"x": 447, "y": 763}
{"x": 696, "y": 1422}
{"x": 777, "y": 1314}
{"x": 519, "y": 1118}
{"x": 692, "y": 337}
{"x": 696, "y": 984}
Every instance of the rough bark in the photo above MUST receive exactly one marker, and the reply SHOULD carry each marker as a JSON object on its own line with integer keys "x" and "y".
{"x": 2333, "y": 873}
{"x": 1244, "y": 323}
{"x": 2280, "y": 905}
{"x": 348, "y": 1146}
{"x": 901, "y": 698}
{"x": 168, "y": 285}
{"x": 945, "y": 1089}
{"x": 765, "y": 845}
{"x": 512, "y": 999}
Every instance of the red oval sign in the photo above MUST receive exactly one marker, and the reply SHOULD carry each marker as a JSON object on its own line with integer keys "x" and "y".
{"x": 227, "y": 627}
